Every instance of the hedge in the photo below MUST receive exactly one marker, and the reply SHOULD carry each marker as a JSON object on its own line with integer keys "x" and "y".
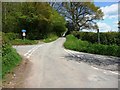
{"x": 108, "y": 38}
{"x": 84, "y": 46}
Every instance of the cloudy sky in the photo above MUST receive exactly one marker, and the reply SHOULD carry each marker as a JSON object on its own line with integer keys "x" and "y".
{"x": 110, "y": 21}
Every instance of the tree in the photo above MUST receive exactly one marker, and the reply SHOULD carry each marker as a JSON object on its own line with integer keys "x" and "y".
{"x": 57, "y": 23}
{"x": 38, "y": 18}
{"x": 81, "y": 14}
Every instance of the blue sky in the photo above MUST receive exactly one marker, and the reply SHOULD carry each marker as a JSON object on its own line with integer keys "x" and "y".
{"x": 103, "y": 4}
{"x": 110, "y": 10}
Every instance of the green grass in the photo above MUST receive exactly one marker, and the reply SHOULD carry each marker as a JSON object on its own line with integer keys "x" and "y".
{"x": 10, "y": 60}
{"x": 23, "y": 42}
{"x": 50, "y": 38}
{"x": 83, "y": 46}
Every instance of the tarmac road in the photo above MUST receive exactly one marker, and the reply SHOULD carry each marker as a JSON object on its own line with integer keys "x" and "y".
{"x": 50, "y": 68}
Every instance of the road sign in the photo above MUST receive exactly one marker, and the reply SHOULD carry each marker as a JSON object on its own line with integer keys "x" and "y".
{"x": 23, "y": 31}
{"x": 24, "y": 34}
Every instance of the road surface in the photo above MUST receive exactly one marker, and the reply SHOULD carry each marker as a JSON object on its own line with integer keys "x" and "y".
{"x": 50, "y": 68}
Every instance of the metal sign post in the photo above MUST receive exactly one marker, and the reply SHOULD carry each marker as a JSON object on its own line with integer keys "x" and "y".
{"x": 23, "y": 34}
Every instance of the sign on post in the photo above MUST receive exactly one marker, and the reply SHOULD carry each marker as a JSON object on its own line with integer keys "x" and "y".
{"x": 24, "y": 34}
{"x": 23, "y": 31}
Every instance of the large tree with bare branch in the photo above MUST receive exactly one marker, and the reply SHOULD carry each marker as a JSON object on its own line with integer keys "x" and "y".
{"x": 82, "y": 14}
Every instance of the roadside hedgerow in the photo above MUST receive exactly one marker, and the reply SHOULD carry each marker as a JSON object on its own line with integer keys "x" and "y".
{"x": 84, "y": 46}
{"x": 106, "y": 38}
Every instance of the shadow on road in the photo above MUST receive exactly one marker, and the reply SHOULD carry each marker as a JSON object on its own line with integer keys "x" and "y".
{"x": 104, "y": 62}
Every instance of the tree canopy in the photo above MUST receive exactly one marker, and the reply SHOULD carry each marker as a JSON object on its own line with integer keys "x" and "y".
{"x": 81, "y": 14}
{"x": 43, "y": 18}
{"x": 39, "y": 19}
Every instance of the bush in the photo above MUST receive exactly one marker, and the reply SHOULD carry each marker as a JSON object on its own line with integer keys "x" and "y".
{"x": 97, "y": 49}
{"x": 71, "y": 43}
{"x": 11, "y": 36}
{"x": 83, "y": 46}
{"x": 112, "y": 50}
{"x": 7, "y": 38}
{"x": 118, "y": 52}
{"x": 76, "y": 44}
{"x": 50, "y": 38}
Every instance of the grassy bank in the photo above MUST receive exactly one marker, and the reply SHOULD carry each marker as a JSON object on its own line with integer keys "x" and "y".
{"x": 50, "y": 38}
{"x": 83, "y": 46}
{"x": 10, "y": 60}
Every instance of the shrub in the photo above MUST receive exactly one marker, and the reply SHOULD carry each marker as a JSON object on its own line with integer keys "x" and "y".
{"x": 71, "y": 42}
{"x": 99, "y": 49}
{"x": 112, "y": 50}
{"x": 7, "y": 38}
{"x": 11, "y": 36}
{"x": 83, "y": 46}
{"x": 118, "y": 52}
{"x": 50, "y": 37}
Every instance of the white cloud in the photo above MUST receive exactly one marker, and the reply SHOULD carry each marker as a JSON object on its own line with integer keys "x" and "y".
{"x": 110, "y": 19}
{"x": 104, "y": 27}
{"x": 111, "y": 11}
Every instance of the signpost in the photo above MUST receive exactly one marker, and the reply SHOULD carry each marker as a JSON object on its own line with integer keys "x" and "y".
{"x": 98, "y": 36}
{"x": 23, "y": 33}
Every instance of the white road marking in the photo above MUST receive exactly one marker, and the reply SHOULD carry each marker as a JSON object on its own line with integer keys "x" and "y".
{"x": 104, "y": 71}
{"x": 31, "y": 51}
{"x": 114, "y": 72}
{"x": 69, "y": 53}
{"x": 94, "y": 68}
{"x": 78, "y": 55}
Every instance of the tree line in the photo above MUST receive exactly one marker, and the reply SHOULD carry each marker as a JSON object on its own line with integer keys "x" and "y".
{"x": 43, "y": 18}
{"x": 39, "y": 19}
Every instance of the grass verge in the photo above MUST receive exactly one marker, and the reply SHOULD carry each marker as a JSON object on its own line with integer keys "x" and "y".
{"x": 83, "y": 46}
{"x": 23, "y": 42}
